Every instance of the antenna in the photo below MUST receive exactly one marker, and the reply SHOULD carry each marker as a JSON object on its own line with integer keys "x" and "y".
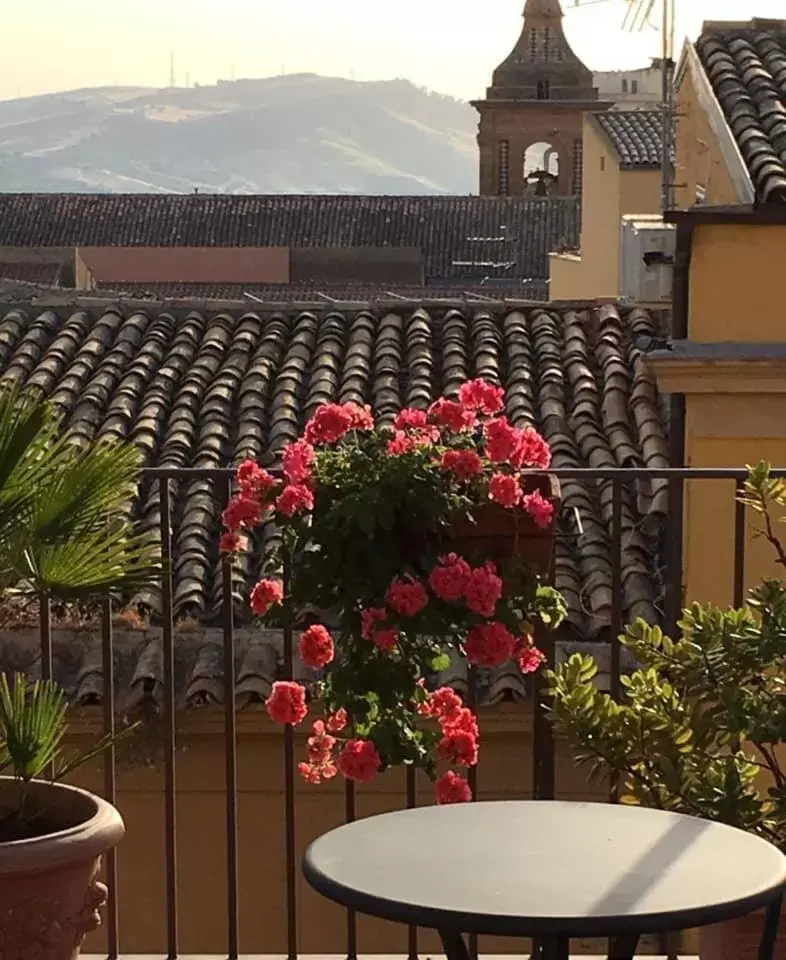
{"x": 638, "y": 16}
{"x": 172, "y": 68}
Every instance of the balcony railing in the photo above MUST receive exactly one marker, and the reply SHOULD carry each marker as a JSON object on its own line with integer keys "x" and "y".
{"x": 612, "y": 488}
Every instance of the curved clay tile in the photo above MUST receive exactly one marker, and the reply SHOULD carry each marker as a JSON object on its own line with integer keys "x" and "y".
{"x": 456, "y": 358}
{"x": 325, "y": 375}
{"x": 257, "y": 672}
{"x": 486, "y": 347}
{"x": 205, "y": 685}
{"x": 519, "y": 385}
{"x": 419, "y": 356}
{"x": 147, "y": 679}
{"x": 388, "y": 357}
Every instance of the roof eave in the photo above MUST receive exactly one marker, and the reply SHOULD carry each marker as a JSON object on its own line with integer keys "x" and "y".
{"x": 730, "y": 151}
{"x": 744, "y": 214}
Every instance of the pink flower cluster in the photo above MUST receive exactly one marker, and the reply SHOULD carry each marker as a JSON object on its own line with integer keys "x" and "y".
{"x": 454, "y": 579}
{"x": 332, "y": 421}
{"x": 476, "y": 453}
{"x": 458, "y": 743}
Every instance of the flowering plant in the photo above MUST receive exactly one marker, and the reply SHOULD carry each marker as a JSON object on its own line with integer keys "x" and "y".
{"x": 368, "y": 520}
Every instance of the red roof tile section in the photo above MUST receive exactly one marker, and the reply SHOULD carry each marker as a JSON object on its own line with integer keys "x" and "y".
{"x": 200, "y": 388}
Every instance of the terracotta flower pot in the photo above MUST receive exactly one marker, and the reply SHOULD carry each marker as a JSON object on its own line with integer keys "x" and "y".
{"x": 499, "y": 533}
{"x": 739, "y": 939}
{"x": 50, "y": 894}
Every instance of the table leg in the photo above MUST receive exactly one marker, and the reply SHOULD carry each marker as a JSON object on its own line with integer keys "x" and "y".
{"x": 623, "y": 948}
{"x": 770, "y": 932}
{"x": 455, "y": 947}
{"x": 554, "y": 948}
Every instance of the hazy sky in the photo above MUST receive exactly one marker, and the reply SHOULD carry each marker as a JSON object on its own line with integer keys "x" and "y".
{"x": 446, "y": 45}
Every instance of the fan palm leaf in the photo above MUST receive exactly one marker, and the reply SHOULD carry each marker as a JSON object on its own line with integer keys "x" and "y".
{"x": 64, "y": 529}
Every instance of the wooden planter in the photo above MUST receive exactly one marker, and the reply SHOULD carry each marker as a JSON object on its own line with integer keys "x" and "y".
{"x": 501, "y": 534}
{"x": 739, "y": 939}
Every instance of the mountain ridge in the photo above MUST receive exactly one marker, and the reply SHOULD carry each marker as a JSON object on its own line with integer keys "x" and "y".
{"x": 296, "y": 133}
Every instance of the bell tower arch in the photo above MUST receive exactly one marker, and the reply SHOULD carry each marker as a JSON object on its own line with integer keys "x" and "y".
{"x": 538, "y": 96}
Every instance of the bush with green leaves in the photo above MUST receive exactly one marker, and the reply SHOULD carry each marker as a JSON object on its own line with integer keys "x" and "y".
{"x": 704, "y": 715}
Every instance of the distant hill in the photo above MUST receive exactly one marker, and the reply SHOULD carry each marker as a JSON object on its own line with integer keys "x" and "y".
{"x": 288, "y": 134}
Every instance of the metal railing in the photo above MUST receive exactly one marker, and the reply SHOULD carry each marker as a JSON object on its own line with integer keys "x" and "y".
{"x": 613, "y": 482}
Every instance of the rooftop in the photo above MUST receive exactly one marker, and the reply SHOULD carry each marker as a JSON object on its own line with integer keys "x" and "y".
{"x": 511, "y": 236}
{"x": 746, "y": 66}
{"x": 205, "y": 388}
{"x": 635, "y": 135}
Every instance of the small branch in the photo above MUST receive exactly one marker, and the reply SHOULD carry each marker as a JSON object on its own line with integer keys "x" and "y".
{"x": 770, "y": 762}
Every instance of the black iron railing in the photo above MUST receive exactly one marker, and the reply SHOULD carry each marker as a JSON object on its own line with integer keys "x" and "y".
{"x": 614, "y": 480}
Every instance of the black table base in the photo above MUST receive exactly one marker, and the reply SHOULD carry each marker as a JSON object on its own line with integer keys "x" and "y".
{"x": 620, "y": 947}
{"x": 547, "y": 948}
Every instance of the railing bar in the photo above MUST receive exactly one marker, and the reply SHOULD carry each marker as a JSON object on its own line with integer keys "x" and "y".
{"x": 617, "y": 604}
{"x": 412, "y": 802}
{"x": 673, "y": 578}
{"x": 230, "y": 747}
{"x": 350, "y": 813}
{"x": 168, "y": 633}
{"x": 472, "y": 776}
{"x": 567, "y": 473}
{"x": 289, "y": 789}
{"x": 110, "y": 773}
{"x": 738, "y": 592}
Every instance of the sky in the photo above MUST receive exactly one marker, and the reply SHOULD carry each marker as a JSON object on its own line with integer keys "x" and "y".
{"x": 450, "y": 46}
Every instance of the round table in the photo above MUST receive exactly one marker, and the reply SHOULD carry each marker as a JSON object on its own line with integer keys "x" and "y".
{"x": 547, "y": 869}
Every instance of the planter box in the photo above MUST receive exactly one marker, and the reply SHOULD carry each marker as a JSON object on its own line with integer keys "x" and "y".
{"x": 501, "y": 534}
{"x": 739, "y": 939}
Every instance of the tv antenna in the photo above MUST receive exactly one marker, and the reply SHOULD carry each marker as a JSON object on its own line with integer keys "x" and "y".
{"x": 638, "y": 16}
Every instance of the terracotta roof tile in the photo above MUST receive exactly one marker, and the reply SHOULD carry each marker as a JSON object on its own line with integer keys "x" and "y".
{"x": 451, "y": 231}
{"x": 636, "y": 136}
{"x": 746, "y": 65}
{"x": 193, "y": 388}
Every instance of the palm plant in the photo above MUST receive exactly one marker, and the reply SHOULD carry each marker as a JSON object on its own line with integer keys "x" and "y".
{"x": 65, "y": 531}
{"x": 65, "y": 534}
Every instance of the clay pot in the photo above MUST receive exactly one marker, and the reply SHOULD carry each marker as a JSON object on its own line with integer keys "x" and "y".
{"x": 739, "y": 939}
{"x": 50, "y": 895}
{"x": 501, "y": 534}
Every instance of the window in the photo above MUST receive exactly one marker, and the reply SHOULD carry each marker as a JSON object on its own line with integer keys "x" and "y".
{"x": 624, "y": 84}
{"x": 602, "y": 164}
{"x": 546, "y": 42}
{"x": 503, "y": 172}
{"x": 533, "y": 43}
{"x": 544, "y": 91}
{"x": 634, "y": 86}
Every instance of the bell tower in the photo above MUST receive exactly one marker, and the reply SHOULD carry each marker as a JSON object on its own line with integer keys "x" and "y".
{"x": 529, "y": 135}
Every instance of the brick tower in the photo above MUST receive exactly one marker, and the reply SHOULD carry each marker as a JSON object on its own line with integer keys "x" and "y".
{"x": 538, "y": 95}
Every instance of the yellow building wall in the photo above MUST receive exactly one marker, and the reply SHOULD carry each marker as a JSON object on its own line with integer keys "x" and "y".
{"x": 83, "y": 275}
{"x": 727, "y": 430}
{"x": 608, "y": 194}
{"x": 736, "y": 283}
{"x": 699, "y": 161}
{"x": 504, "y": 772}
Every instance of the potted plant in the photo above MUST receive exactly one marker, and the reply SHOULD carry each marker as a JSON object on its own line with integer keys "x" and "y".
{"x": 393, "y": 533}
{"x": 63, "y": 537}
{"x": 701, "y": 724}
